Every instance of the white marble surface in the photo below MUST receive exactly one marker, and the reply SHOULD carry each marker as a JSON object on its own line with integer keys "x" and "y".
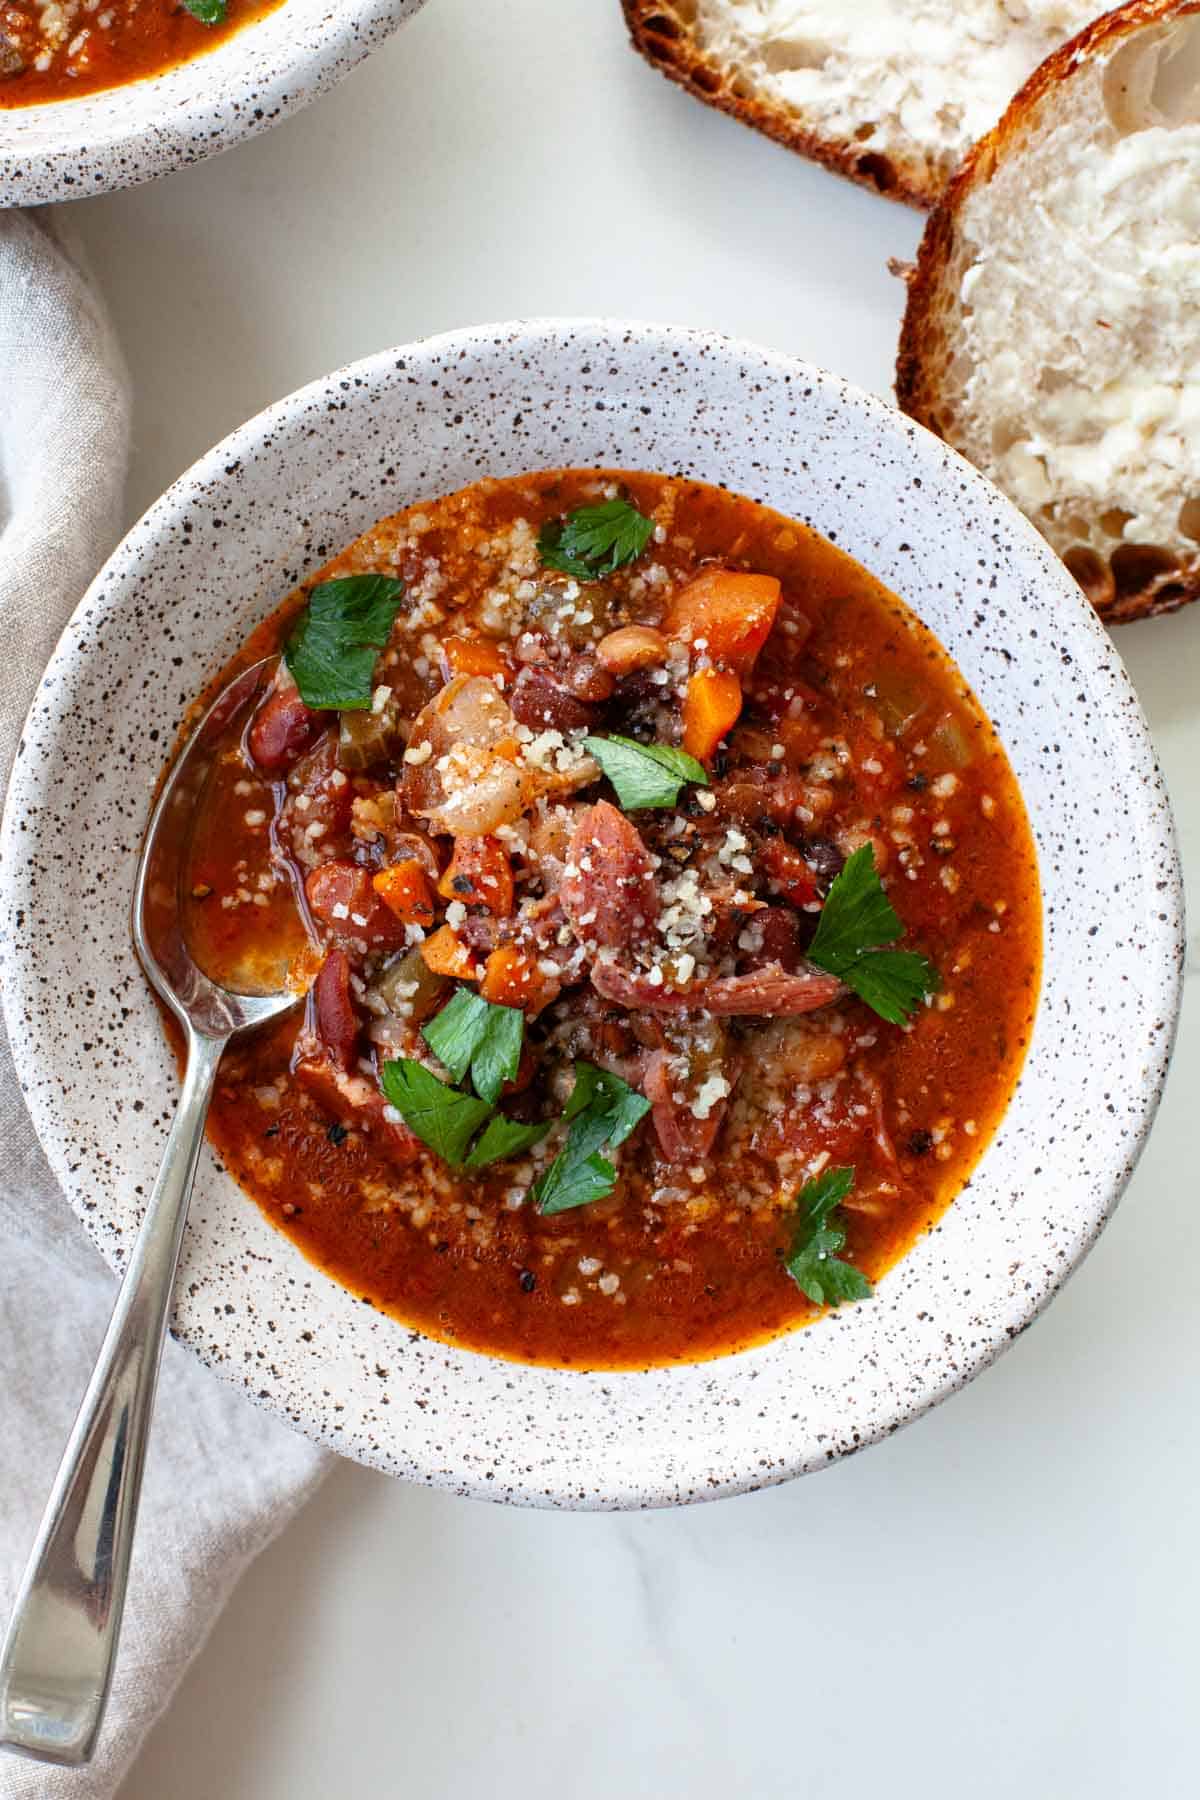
{"x": 1003, "y": 1599}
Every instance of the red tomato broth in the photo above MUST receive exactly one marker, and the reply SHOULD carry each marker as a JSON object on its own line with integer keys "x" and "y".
{"x": 699, "y": 1262}
{"x": 85, "y": 47}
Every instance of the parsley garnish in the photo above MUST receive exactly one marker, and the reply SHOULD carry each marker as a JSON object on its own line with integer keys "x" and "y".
{"x": 813, "y": 1262}
{"x": 468, "y": 1033}
{"x": 504, "y": 1137}
{"x": 602, "y": 1111}
{"x": 645, "y": 774}
{"x": 595, "y": 540}
{"x": 439, "y": 1115}
{"x": 471, "y": 1033}
{"x": 333, "y": 646}
{"x": 856, "y": 920}
{"x": 209, "y": 12}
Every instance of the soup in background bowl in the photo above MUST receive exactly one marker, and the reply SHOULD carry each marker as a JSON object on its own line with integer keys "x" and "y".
{"x": 155, "y": 87}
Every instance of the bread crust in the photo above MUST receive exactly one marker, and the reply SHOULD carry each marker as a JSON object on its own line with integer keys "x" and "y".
{"x": 922, "y": 352}
{"x": 667, "y": 42}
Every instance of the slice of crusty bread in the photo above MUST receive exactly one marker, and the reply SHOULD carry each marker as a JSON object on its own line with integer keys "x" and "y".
{"x": 1052, "y": 332}
{"x": 889, "y": 92}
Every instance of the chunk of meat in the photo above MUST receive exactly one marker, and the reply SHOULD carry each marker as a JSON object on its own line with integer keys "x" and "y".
{"x": 544, "y": 704}
{"x": 354, "y": 1101}
{"x": 788, "y": 871}
{"x": 314, "y": 823}
{"x": 609, "y": 893}
{"x": 344, "y": 903}
{"x": 282, "y": 729}
{"x": 753, "y": 793}
{"x": 769, "y": 992}
{"x": 784, "y": 936}
{"x": 462, "y": 775}
{"x": 683, "y": 1136}
{"x": 333, "y": 1014}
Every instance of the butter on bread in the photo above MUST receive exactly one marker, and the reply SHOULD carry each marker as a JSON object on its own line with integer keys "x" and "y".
{"x": 1052, "y": 332}
{"x": 889, "y": 92}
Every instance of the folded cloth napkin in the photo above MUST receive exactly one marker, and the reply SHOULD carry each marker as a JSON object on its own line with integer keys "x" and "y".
{"x": 222, "y": 1478}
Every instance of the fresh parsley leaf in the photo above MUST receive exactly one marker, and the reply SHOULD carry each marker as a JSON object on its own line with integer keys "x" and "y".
{"x": 454, "y": 1034}
{"x": 574, "y": 1181}
{"x": 856, "y": 916}
{"x": 598, "y": 1092}
{"x": 504, "y": 1137}
{"x": 645, "y": 774}
{"x": 440, "y": 1116}
{"x": 892, "y": 982}
{"x": 595, "y": 540}
{"x": 499, "y": 1053}
{"x": 856, "y": 920}
{"x": 471, "y": 1033}
{"x": 334, "y": 644}
{"x": 209, "y": 12}
{"x": 602, "y": 1111}
{"x": 813, "y": 1262}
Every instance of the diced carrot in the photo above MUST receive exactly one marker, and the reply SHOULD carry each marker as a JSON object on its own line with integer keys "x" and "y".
{"x": 480, "y": 874}
{"x": 711, "y": 707}
{"x": 446, "y": 954}
{"x": 730, "y": 612}
{"x": 511, "y": 978}
{"x": 472, "y": 656}
{"x": 788, "y": 871}
{"x": 405, "y": 888}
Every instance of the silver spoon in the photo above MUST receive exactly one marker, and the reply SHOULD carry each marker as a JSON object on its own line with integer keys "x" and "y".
{"x": 57, "y": 1663}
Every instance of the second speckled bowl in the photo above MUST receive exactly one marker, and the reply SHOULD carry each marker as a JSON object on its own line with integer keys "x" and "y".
{"x": 68, "y": 149}
{"x": 271, "y": 503}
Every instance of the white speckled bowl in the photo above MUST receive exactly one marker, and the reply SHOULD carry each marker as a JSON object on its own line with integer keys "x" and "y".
{"x": 276, "y": 499}
{"x": 68, "y": 149}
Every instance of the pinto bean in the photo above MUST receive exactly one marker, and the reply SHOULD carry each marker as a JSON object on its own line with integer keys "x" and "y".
{"x": 282, "y": 729}
{"x": 610, "y": 895}
{"x": 542, "y": 703}
{"x": 588, "y": 680}
{"x": 633, "y": 647}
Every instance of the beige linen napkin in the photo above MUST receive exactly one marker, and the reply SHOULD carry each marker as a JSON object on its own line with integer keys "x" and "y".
{"x": 222, "y": 1478}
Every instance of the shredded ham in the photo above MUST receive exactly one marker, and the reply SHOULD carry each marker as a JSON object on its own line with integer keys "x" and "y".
{"x": 770, "y": 991}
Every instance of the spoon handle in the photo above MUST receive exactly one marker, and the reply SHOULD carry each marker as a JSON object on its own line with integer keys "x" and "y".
{"x": 57, "y": 1663}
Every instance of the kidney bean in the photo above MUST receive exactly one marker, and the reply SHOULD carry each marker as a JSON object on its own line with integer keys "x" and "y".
{"x": 543, "y": 704}
{"x": 335, "y": 1018}
{"x": 282, "y": 729}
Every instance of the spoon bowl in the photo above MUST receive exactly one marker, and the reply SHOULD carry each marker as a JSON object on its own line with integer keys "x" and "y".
{"x": 57, "y": 1663}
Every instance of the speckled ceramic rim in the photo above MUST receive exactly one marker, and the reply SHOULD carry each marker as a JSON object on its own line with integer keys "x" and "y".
{"x": 303, "y": 479}
{"x": 66, "y": 150}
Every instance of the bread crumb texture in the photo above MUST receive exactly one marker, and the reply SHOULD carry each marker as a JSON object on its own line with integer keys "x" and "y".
{"x": 1053, "y": 329}
{"x": 892, "y": 92}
